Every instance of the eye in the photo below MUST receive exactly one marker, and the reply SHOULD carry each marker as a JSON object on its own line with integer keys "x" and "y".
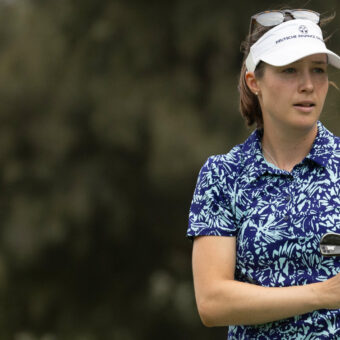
{"x": 289, "y": 70}
{"x": 319, "y": 70}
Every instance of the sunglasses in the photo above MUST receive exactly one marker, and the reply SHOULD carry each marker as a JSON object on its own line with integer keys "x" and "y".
{"x": 276, "y": 17}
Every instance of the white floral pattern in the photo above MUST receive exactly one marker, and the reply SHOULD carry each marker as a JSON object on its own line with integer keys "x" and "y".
{"x": 278, "y": 218}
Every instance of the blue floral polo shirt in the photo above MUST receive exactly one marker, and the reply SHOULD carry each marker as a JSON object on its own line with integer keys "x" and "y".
{"x": 278, "y": 218}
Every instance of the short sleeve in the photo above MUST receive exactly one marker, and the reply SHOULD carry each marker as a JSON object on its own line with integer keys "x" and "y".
{"x": 211, "y": 210}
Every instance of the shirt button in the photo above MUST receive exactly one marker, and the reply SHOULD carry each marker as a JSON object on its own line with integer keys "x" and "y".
{"x": 287, "y": 198}
{"x": 286, "y": 217}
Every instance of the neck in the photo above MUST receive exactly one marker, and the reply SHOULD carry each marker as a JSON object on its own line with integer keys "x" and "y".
{"x": 285, "y": 149}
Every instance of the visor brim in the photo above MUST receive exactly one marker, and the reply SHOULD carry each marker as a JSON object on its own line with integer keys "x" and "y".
{"x": 287, "y": 56}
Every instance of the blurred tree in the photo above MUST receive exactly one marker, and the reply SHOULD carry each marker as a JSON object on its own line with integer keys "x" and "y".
{"x": 107, "y": 111}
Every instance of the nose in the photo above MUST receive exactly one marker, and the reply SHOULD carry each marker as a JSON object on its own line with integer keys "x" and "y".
{"x": 306, "y": 83}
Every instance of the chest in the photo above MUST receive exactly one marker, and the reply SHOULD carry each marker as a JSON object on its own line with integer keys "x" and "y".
{"x": 275, "y": 200}
{"x": 281, "y": 218}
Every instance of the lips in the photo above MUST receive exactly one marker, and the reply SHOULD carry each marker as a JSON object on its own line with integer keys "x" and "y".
{"x": 305, "y": 104}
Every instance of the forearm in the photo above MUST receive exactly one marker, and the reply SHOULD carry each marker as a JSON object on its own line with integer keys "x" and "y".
{"x": 231, "y": 302}
{"x": 222, "y": 301}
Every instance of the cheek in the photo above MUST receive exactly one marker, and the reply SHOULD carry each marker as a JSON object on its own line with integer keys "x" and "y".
{"x": 322, "y": 84}
{"x": 326, "y": 87}
{"x": 323, "y": 90}
{"x": 276, "y": 95}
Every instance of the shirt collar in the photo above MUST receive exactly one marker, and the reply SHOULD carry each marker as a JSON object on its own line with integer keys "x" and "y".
{"x": 323, "y": 146}
{"x": 256, "y": 166}
{"x": 254, "y": 162}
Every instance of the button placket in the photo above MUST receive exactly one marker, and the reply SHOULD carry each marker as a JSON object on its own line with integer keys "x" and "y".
{"x": 286, "y": 218}
{"x": 287, "y": 198}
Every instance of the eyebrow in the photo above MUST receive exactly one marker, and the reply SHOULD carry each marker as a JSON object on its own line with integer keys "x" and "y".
{"x": 319, "y": 62}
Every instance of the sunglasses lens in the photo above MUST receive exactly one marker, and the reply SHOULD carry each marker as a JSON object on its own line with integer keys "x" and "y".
{"x": 312, "y": 16}
{"x": 270, "y": 18}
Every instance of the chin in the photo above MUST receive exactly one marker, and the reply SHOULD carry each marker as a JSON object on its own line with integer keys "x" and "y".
{"x": 305, "y": 123}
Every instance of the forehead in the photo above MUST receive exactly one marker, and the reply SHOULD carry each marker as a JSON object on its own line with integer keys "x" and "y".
{"x": 320, "y": 58}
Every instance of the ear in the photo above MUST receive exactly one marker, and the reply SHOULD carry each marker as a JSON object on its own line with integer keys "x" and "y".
{"x": 252, "y": 82}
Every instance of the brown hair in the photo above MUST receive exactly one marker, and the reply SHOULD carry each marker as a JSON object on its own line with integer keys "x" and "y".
{"x": 249, "y": 104}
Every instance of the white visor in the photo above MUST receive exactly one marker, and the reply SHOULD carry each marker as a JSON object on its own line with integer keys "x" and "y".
{"x": 289, "y": 42}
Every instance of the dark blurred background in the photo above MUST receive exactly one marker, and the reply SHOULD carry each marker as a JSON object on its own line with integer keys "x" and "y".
{"x": 108, "y": 109}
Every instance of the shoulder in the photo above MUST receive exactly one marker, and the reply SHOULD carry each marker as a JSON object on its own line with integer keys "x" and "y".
{"x": 238, "y": 161}
{"x": 333, "y": 144}
{"x": 336, "y": 152}
{"x": 326, "y": 146}
{"x": 227, "y": 161}
{"x": 229, "y": 164}
{"x": 337, "y": 143}
{"x": 326, "y": 137}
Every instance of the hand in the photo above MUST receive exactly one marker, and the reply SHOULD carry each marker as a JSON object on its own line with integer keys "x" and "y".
{"x": 328, "y": 293}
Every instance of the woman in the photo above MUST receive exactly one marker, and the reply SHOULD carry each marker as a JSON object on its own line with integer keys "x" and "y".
{"x": 259, "y": 212}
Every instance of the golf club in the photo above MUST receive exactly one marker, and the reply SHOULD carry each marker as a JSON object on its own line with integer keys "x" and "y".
{"x": 330, "y": 244}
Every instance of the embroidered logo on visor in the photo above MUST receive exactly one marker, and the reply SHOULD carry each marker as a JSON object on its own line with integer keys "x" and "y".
{"x": 303, "y": 29}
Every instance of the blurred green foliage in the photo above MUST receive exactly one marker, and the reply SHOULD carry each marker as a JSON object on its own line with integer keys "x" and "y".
{"x": 107, "y": 111}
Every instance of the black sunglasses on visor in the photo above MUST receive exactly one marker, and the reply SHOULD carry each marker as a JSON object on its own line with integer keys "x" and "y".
{"x": 276, "y": 17}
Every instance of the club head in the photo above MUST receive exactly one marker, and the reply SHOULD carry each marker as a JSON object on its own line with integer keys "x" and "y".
{"x": 330, "y": 244}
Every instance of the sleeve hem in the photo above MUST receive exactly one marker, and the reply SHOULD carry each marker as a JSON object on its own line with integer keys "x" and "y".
{"x": 208, "y": 232}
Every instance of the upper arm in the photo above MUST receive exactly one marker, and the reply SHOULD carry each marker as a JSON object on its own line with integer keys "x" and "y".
{"x": 212, "y": 210}
{"x": 213, "y": 227}
{"x": 213, "y": 261}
